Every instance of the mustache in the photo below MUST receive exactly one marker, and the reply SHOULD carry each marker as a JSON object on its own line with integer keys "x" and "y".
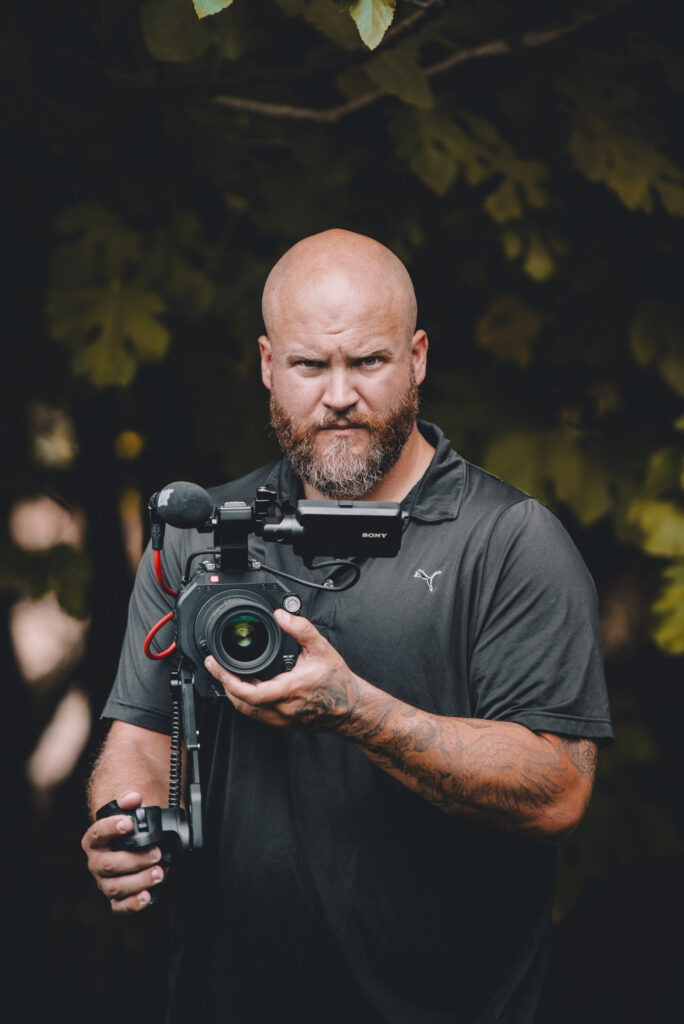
{"x": 332, "y": 422}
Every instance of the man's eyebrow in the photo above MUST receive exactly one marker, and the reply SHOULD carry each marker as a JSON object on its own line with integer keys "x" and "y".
{"x": 303, "y": 357}
{"x": 310, "y": 357}
{"x": 384, "y": 353}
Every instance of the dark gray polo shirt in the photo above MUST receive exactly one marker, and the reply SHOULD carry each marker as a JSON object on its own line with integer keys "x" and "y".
{"x": 328, "y": 892}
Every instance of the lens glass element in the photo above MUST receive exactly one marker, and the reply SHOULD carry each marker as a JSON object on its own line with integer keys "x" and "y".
{"x": 244, "y": 637}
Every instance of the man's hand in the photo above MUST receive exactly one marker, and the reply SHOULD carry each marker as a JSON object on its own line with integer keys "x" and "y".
{"x": 125, "y": 877}
{"x": 318, "y": 694}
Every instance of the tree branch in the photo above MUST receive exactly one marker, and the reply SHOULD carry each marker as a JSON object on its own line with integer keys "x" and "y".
{"x": 330, "y": 115}
{"x": 413, "y": 19}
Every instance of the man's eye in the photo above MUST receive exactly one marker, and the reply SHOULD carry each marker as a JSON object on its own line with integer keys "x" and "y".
{"x": 308, "y": 364}
{"x": 370, "y": 361}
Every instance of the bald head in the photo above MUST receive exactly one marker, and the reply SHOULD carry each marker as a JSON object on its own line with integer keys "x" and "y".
{"x": 339, "y": 278}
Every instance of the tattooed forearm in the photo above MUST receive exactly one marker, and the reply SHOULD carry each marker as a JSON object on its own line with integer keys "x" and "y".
{"x": 498, "y": 773}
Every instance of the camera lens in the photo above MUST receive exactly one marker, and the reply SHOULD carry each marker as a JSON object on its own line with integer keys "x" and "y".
{"x": 244, "y": 638}
{"x": 238, "y": 628}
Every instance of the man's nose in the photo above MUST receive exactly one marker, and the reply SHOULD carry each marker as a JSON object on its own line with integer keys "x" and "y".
{"x": 340, "y": 392}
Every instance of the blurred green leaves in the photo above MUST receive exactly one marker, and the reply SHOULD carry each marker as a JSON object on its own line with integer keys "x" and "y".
{"x": 656, "y": 337}
{"x": 97, "y": 304}
{"x": 508, "y": 329}
{"x": 111, "y": 286}
{"x": 554, "y": 468}
{"x": 668, "y": 610}
{"x": 173, "y": 33}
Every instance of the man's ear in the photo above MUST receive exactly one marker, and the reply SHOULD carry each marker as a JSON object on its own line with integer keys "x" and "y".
{"x": 419, "y": 347}
{"x": 266, "y": 357}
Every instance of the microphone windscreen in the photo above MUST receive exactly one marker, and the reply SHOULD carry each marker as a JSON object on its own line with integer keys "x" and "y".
{"x": 183, "y": 504}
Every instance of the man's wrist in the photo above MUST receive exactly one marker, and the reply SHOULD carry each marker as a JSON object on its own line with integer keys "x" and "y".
{"x": 367, "y": 707}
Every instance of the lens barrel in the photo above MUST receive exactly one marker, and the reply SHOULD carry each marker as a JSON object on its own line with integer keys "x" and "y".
{"x": 239, "y": 630}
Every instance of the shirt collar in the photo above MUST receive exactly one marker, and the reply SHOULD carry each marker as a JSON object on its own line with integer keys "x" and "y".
{"x": 435, "y": 498}
{"x": 437, "y": 495}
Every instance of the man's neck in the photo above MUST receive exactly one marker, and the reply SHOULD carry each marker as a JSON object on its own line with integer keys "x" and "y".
{"x": 416, "y": 456}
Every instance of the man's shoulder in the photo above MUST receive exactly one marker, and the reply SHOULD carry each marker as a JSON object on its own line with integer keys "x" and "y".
{"x": 490, "y": 496}
{"x": 244, "y": 488}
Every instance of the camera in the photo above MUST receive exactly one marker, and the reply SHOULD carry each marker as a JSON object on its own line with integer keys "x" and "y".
{"x": 224, "y": 607}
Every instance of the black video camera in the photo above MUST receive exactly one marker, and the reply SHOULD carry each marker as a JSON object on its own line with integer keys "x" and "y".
{"x": 224, "y": 607}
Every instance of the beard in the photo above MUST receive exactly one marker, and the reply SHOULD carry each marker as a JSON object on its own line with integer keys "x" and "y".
{"x": 338, "y": 470}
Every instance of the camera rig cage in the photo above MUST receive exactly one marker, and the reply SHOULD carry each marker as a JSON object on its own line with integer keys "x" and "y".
{"x": 224, "y": 607}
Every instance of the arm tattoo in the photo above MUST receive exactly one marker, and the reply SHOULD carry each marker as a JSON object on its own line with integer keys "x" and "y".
{"x": 581, "y": 752}
{"x": 498, "y": 773}
{"x": 332, "y": 702}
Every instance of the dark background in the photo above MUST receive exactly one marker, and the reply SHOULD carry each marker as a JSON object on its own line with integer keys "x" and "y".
{"x": 527, "y": 167}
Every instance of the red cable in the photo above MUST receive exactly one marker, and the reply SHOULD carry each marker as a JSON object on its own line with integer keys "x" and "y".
{"x": 160, "y": 575}
{"x": 150, "y": 636}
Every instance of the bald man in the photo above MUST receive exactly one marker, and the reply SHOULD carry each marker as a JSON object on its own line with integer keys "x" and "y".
{"x": 380, "y": 820}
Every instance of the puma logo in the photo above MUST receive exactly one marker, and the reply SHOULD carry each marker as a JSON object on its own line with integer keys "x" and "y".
{"x": 420, "y": 575}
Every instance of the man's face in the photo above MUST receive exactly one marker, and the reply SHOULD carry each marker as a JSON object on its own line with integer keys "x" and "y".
{"x": 344, "y": 392}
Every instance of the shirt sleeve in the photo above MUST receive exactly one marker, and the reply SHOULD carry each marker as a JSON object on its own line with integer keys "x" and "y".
{"x": 536, "y": 655}
{"x": 140, "y": 694}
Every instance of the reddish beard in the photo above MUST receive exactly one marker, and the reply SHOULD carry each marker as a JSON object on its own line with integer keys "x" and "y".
{"x": 338, "y": 471}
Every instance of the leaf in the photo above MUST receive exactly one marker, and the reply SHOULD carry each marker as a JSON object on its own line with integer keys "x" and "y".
{"x": 544, "y": 465}
{"x": 111, "y": 329}
{"x": 662, "y": 472}
{"x": 206, "y": 7}
{"x": 628, "y": 164}
{"x": 519, "y": 459}
{"x": 668, "y": 610}
{"x": 171, "y": 30}
{"x": 324, "y": 16}
{"x": 397, "y": 73}
{"x": 508, "y": 329}
{"x": 176, "y": 266}
{"x": 99, "y": 246}
{"x": 373, "y": 18}
{"x": 504, "y": 204}
{"x": 661, "y": 524}
{"x": 656, "y": 335}
{"x": 539, "y": 262}
{"x": 579, "y": 480}
{"x": 536, "y": 252}
{"x": 438, "y": 150}
{"x": 431, "y": 145}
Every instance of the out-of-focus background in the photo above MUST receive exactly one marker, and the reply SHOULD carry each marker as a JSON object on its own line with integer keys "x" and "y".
{"x": 526, "y": 162}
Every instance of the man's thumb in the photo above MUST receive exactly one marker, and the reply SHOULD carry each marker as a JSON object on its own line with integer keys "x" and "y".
{"x": 296, "y": 626}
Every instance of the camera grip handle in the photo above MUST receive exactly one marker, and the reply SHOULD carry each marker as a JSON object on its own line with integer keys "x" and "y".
{"x": 146, "y": 832}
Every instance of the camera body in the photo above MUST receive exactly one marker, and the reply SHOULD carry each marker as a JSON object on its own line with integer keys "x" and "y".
{"x": 230, "y": 615}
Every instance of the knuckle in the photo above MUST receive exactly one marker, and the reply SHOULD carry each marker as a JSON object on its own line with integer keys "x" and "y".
{"x": 107, "y": 865}
{"x": 131, "y": 905}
